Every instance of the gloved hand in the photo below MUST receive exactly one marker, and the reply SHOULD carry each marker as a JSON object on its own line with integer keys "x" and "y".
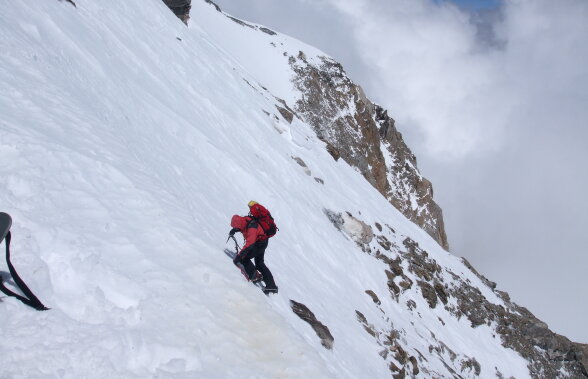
{"x": 233, "y": 231}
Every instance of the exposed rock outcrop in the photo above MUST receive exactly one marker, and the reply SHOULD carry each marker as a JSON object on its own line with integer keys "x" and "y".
{"x": 357, "y": 230}
{"x": 319, "y": 328}
{"x": 582, "y": 354}
{"x": 519, "y": 329}
{"x": 181, "y": 8}
{"x": 363, "y": 134}
{"x": 411, "y": 273}
{"x": 213, "y": 4}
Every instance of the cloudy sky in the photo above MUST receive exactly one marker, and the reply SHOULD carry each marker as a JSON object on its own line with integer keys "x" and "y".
{"x": 492, "y": 96}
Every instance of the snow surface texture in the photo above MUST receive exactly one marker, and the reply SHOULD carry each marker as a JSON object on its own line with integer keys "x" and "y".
{"x": 126, "y": 143}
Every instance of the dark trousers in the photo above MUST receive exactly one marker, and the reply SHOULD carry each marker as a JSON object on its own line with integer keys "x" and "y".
{"x": 256, "y": 252}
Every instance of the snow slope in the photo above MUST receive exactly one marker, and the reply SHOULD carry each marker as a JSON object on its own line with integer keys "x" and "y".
{"x": 126, "y": 143}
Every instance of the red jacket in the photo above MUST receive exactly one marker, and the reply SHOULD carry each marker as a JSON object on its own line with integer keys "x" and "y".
{"x": 251, "y": 230}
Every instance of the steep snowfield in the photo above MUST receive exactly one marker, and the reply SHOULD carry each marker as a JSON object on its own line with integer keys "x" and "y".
{"x": 126, "y": 143}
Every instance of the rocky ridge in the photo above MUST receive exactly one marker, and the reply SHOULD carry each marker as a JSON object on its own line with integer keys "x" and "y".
{"x": 362, "y": 134}
{"x": 412, "y": 274}
{"x": 319, "y": 328}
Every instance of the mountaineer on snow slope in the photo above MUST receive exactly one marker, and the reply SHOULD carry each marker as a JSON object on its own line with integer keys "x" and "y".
{"x": 257, "y": 227}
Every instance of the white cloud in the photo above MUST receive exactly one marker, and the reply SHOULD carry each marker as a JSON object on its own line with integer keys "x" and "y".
{"x": 427, "y": 66}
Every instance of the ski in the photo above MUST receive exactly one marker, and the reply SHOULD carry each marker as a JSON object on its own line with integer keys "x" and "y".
{"x": 29, "y": 298}
{"x": 5, "y": 224}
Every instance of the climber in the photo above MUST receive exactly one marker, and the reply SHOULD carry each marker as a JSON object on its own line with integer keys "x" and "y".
{"x": 257, "y": 228}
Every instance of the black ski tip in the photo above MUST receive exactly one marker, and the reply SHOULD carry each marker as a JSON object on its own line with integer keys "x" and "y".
{"x": 5, "y": 224}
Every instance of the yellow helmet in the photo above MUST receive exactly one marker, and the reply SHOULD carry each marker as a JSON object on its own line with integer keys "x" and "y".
{"x": 251, "y": 203}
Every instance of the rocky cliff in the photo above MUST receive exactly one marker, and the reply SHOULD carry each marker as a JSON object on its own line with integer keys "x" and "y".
{"x": 181, "y": 8}
{"x": 428, "y": 289}
{"x": 362, "y": 134}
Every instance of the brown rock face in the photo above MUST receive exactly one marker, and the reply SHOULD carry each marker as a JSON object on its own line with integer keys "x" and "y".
{"x": 582, "y": 352}
{"x": 320, "y": 329}
{"x": 363, "y": 134}
{"x": 546, "y": 351}
{"x": 181, "y": 8}
{"x": 412, "y": 273}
